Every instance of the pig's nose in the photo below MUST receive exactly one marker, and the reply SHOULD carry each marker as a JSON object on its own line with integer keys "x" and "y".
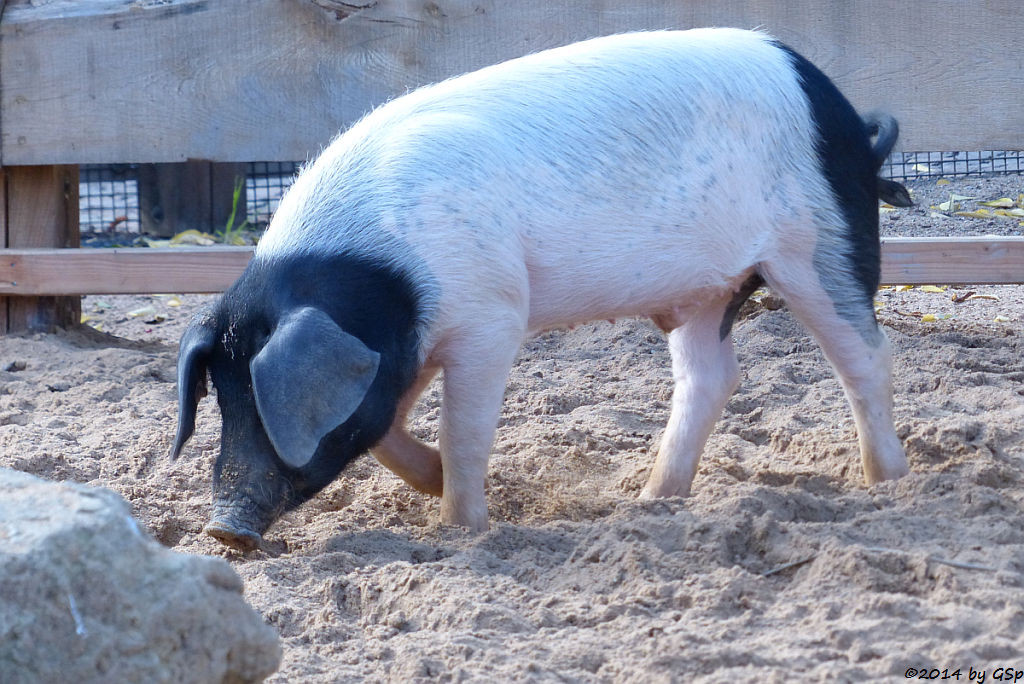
{"x": 239, "y": 538}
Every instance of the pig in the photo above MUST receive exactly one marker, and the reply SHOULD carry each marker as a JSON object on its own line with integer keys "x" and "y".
{"x": 665, "y": 174}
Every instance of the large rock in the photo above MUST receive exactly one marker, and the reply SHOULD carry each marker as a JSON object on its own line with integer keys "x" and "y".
{"x": 86, "y": 596}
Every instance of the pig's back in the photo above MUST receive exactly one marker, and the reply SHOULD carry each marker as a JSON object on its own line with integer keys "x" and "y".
{"x": 604, "y": 175}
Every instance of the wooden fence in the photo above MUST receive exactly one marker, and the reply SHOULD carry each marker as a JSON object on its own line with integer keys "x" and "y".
{"x": 147, "y": 81}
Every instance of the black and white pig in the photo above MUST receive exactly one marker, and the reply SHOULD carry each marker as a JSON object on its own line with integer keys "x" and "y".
{"x": 665, "y": 174}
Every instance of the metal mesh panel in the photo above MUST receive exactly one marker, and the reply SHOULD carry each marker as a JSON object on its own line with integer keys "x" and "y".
{"x": 264, "y": 185}
{"x": 109, "y": 194}
{"x": 910, "y": 165}
{"x": 108, "y": 197}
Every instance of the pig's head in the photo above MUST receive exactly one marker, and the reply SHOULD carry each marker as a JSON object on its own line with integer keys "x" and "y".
{"x": 299, "y": 398}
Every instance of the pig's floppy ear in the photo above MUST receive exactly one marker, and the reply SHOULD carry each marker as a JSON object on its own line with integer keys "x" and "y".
{"x": 308, "y": 379}
{"x": 193, "y": 356}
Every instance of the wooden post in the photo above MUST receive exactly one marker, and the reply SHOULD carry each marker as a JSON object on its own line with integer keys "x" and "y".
{"x": 196, "y": 194}
{"x": 40, "y": 209}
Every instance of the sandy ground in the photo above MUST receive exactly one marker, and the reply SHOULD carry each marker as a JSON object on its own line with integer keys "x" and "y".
{"x": 782, "y": 565}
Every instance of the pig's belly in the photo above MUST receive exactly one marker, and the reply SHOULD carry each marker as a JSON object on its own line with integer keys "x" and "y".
{"x": 634, "y": 284}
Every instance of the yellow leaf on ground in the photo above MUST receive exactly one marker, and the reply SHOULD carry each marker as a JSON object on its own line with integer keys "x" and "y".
{"x": 85, "y": 318}
{"x": 922, "y": 168}
{"x": 947, "y": 206}
{"x": 1010, "y": 213}
{"x": 144, "y": 311}
{"x": 174, "y": 301}
{"x": 942, "y": 181}
{"x": 928, "y": 318}
{"x": 977, "y": 213}
{"x": 931, "y": 288}
{"x": 904, "y": 288}
{"x": 193, "y": 237}
{"x": 1001, "y": 203}
{"x": 1001, "y": 319}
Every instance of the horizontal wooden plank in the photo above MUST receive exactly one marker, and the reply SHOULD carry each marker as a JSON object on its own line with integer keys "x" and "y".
{"x": 120, "y": 271}
{"x": 905, "y": 261}
{"x": 970, "y": 260}
{"x": 245, "y": 80}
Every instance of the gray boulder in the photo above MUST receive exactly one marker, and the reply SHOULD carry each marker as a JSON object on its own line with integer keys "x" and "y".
{"x": 87, "y": 596}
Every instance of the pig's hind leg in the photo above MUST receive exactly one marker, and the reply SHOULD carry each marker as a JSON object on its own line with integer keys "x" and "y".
{"x": 841, "y": 317}
{"x": 705, "y": 372}
{"x": 417, "y": 463}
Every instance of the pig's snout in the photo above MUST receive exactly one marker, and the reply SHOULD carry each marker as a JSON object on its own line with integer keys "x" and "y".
{"x": 237, "y": 526}
{"x": 231, "y": 535}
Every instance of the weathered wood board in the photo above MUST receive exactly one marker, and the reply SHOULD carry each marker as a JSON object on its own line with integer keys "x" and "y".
{"x": 905, "y": 261}
{"x": 40, "y": 210}
{"x": 987, "y": 260}
{"x": 242, "y": 80}
{"x": 120, "y": 271}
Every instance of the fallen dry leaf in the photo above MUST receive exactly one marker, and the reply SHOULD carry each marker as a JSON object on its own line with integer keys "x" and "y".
{"x": 961, "y": 298}
{"x": 977, "y": 213}
{"x": 1001, "y": 203}
{"x": 193, "y": 237}
{"x": 932, "y": 288}
{"x": 148, "y": 311}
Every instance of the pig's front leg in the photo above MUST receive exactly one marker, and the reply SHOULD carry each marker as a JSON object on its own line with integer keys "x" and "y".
{"x": 475, "y": 375}
{"x": 415, "y": 462}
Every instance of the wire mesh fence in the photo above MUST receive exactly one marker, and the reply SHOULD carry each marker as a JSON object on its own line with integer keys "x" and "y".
{"x": 109, "y": 193}
{"x": 264, "y": 185}
{"x": 912, "y": 165}
{"x": 108, "y": 197}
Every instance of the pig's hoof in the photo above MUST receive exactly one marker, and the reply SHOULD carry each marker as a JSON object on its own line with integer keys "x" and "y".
{"x": 241, "y": 539}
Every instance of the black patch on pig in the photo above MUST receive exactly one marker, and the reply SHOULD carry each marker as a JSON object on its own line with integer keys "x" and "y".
{"x": 368, "y": 299}
{"x": 848, "y": 162}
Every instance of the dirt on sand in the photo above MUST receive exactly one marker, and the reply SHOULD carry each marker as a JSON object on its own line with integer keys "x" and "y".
{"x": 781, "y": 565}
